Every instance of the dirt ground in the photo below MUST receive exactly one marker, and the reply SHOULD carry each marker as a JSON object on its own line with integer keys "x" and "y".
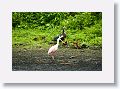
{"x": 66, "y": 59}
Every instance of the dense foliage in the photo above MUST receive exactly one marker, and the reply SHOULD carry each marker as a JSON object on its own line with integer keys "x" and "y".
{"x": 83, "y": 27}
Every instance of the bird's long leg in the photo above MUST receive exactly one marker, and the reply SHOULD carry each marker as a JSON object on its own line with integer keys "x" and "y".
{"x": 53, "y": 58}
{"x": 53, "y": 61}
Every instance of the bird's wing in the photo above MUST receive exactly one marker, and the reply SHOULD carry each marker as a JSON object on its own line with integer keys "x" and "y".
{"x": 52, "y": 49}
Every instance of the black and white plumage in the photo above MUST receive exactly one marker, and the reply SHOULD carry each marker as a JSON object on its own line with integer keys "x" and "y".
{"x": 63, "y": 36}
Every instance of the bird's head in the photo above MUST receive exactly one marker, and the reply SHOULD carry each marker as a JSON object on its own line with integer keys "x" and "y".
{"x": 61, "y": 36}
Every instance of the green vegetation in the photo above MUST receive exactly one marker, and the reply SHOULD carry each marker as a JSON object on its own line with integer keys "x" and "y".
{"x": 37, "y": 29}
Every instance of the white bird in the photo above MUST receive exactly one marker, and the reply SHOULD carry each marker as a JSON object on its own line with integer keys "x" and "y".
{"x": 54, "y": 48}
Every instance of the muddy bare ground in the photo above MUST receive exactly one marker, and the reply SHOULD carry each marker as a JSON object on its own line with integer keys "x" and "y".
{"x": 66, "y": 59}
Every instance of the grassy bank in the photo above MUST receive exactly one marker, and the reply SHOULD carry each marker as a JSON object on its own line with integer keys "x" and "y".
{"x": 30, "y": 34}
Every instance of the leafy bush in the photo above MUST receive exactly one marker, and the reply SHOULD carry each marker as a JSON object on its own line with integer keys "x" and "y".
{"x": 30, "y": 27}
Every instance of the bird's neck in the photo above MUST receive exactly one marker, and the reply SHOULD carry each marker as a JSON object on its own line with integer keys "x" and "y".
{"x": 63, "y": 30}
{"x": 58, "y": 41}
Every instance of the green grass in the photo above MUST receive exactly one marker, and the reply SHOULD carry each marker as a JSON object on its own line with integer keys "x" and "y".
{"x": 37, "y": 29}
{"x": 34, "y": 38}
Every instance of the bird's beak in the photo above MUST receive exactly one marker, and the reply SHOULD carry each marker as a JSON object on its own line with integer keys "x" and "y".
{"x": 61, "y": 40}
